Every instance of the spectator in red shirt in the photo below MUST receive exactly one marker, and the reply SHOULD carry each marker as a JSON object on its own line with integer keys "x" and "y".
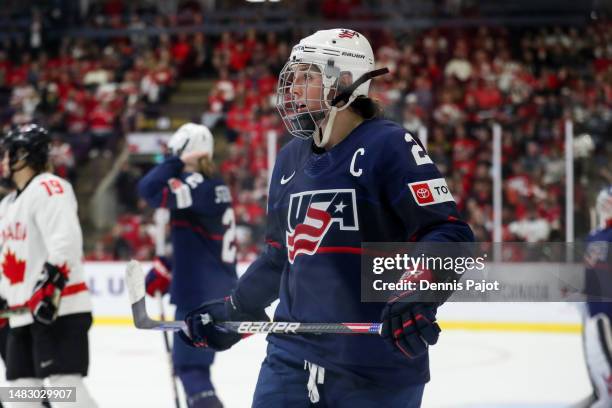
{"x": 237, "y": 118}
{"x": 239, "y": 57}
{"x": 487, "y": 95}
{"x": 62, "y": 158}
{"x": 181, "y": 50}
{"x": 250, "y": 40}
{"x": 102, "y": 126}
{"x": 259, "y": 161}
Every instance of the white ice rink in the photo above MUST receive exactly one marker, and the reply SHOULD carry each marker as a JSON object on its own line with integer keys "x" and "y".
{"x": 469, "y": 369}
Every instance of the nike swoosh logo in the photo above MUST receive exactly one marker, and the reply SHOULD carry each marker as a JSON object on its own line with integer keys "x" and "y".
{"x": 286, "y": 180}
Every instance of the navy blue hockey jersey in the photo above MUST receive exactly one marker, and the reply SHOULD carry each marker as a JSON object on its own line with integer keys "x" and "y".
{"x": 598, "y": 279}
{"x": 203, "y": 231}
{"x": 377, "y": 185}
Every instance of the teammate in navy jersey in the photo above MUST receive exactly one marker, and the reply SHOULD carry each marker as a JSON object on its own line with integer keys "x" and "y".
{"x": 347, "y": 178}
{"x": 597, "y": 332}
{"x": 203, "y": 240}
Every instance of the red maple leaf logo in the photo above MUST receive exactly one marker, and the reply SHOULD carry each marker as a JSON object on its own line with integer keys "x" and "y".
{"x": 13, "y": 268}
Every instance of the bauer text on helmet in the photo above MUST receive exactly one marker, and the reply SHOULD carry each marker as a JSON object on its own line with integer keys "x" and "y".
{"x": 191, "y": 137}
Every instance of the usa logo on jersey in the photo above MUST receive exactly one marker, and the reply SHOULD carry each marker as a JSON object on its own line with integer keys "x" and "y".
{"x": 312, "y": 213}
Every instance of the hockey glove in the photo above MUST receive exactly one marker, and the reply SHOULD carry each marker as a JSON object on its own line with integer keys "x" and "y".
{"x": 44, "y": 303}
{"x": 159, "y": 277}
{"x": 201, "y": 328}
{"x": 409, "y": 327}
{"x": 3, "y": 306}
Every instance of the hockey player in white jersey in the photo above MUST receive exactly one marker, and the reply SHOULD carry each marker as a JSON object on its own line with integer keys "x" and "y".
{"x": 41, "y": 270}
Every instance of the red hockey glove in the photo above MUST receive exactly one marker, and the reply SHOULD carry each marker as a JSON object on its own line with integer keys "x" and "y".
{"x": 45, "y": 301}
{"x": 159, "y": 276}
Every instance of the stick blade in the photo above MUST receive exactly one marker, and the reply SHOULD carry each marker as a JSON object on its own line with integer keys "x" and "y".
{"x": 135, "y": 281}
{"x": 143, "y": 321}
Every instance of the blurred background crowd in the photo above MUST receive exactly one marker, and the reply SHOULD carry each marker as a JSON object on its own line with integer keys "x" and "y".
{"x": 96, "y": 72}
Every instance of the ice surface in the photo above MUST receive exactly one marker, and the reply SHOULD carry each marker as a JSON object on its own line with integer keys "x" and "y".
{"x": 470, "y": 369}
{"x": 129, "y": 368}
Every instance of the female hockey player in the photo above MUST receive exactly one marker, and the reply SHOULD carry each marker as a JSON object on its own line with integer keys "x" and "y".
{"x": 203, "y": 233}
{"x": 40, "y": 260}
{"x": 349, "y": 177}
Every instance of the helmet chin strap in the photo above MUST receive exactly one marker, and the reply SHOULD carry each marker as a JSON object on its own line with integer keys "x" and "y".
{"x": 7, "y": 180}
{"x": 13, "y": 169}
{"x": 321, "y": 135}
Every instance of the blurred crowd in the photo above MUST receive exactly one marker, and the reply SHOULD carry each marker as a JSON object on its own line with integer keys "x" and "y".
{"x": 455, "y": 83}
{"x": 89, "y": 94}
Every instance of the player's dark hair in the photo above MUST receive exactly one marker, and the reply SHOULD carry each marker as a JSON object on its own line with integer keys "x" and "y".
{"x": 41, "y": 165}
{"x": 366, "y": 107}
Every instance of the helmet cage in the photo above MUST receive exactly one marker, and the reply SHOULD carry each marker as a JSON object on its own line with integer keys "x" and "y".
{"x": 303, "y": 114}
{"x": 344, "y": 62}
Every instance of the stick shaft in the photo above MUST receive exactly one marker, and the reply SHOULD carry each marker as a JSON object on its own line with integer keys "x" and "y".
{"x": 300, "y": 328}
{"x": 142, "y": 320}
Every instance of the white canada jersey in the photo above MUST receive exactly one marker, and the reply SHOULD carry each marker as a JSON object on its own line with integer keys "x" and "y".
{"x": 40, "y": 225}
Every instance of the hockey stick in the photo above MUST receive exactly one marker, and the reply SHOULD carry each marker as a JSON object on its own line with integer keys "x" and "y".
{"x": 136, "y": 290}
{"x": 300, "y": 328}
{"x": 161, "y": 218}
{"x": 135, "y": 282}
{"x": 169, "y": 353}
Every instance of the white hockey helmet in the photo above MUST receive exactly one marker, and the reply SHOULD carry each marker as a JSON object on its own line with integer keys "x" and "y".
{"x": 191, "y": 137}
{"x": 345, "y": 62}
{"x": 603, "y": 205}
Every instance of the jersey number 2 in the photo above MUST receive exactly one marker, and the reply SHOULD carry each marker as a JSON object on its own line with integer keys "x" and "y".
{"x": 228, "y": 249}
{"x": 420, "y": 157}
{"x": 52, "y": 187}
